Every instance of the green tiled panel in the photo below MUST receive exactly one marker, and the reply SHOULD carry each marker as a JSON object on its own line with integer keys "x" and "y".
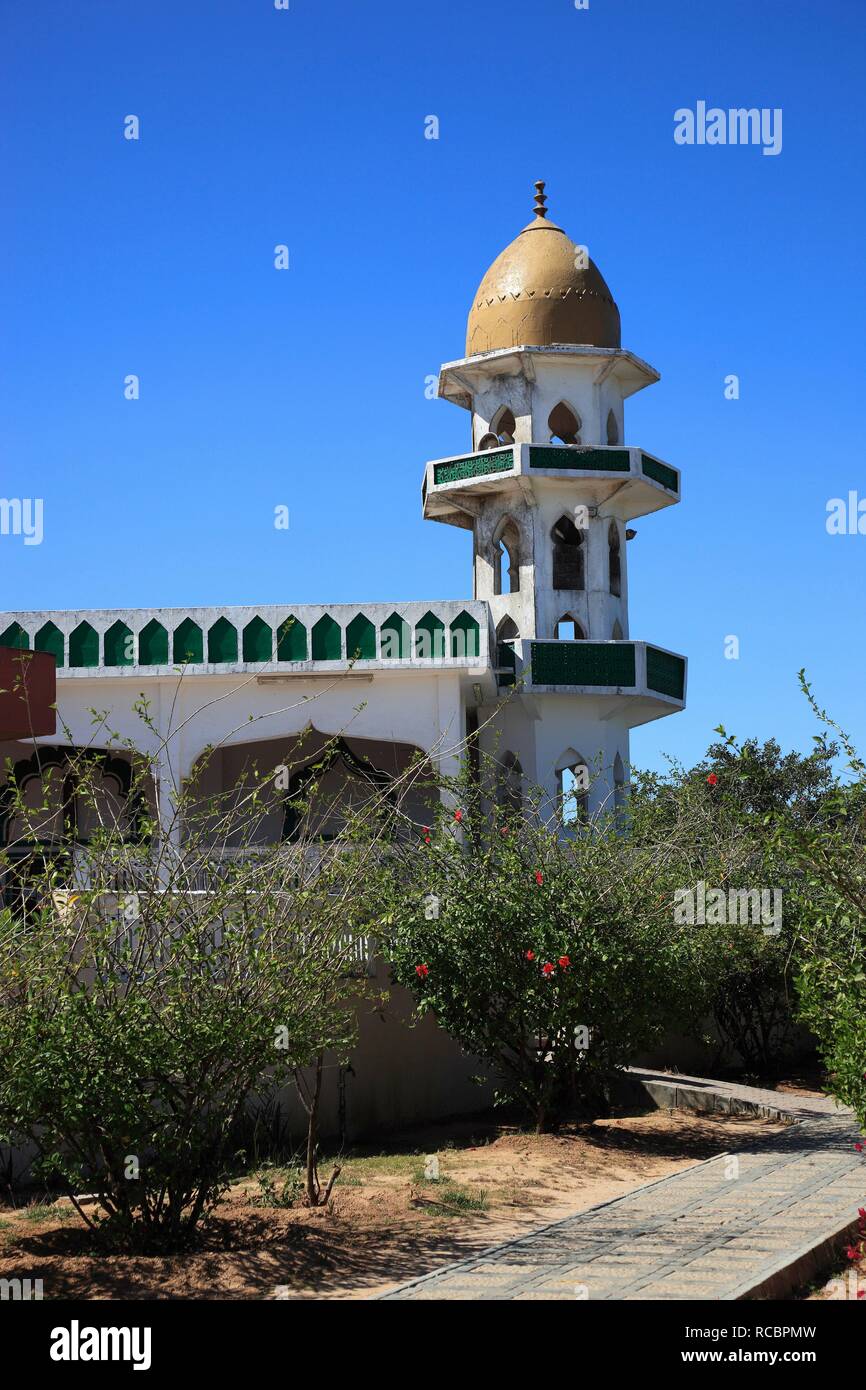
{"x": 473, "y": 466}
{"x": 665, "y": 673}
{"x": 507, "y": 662}
{"x": 118, "y": 646}
{"x": 361, "y": 639}
{"x": 581, "y": 460}
{"x": 583, "y": 663}
{"x": 660, "y": 473}
{"x": 84, "y": 646}
{"x": 291, "y": 640}
{"x": 153, "y": 645}
{"x": 16, "y": 637}
{"x": 222, "y": 642}
{"x": 327, "y": 639}
{"x": 429, "y": 637}
{"x": 257, "y": 641}
{"x": 188, "y": 643}
{"x": 395, "y": 642}
{"x": 465, "y": 637}
{"x": 50, "y": 639}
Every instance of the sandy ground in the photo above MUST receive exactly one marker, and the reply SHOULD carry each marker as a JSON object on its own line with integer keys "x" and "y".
{"x": 385, "y": 1223}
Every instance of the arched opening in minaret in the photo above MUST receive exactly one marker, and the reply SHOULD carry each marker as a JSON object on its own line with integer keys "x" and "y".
{"x": 614, "y": 563}
{"x": 504, "y": 425}
{"x": 572, "y": 788}
{"x": 503, "y": 428}
{"x": 506, "y": 547}
{"x": 507, "y": 633}
{"x": 509, "y": 784}
{"x": 564, "y": 425}
{"x": 612, "y": 428}
{"x": 568, "y": 629}
{"x": 616, "y": 635}
{"x": 568, "y": 567}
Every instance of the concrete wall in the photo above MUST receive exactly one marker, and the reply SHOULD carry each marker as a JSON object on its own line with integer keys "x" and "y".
{"x": 401, "y": 1073}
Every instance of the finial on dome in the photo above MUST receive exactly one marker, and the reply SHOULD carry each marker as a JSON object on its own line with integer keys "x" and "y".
{"x": 540, "y": 199}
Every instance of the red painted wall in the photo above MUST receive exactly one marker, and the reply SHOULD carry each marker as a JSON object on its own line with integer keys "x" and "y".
{"x": 28, "y": 689}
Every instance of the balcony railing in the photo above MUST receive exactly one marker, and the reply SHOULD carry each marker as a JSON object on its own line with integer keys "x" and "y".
{"x": 613, "y": 462}
{"x": 608, "y": 667}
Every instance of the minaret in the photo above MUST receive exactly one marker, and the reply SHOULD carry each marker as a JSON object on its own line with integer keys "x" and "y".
{"x": 548, "y": 491}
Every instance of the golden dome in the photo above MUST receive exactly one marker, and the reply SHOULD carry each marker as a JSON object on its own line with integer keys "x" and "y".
{"x": 542, "y": 290}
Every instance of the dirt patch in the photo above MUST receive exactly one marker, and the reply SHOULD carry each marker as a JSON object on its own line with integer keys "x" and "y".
{"x": 386, "y": 1221}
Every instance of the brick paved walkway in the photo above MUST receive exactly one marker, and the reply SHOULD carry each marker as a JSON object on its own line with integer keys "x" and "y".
{"x": 739, "y": 1224}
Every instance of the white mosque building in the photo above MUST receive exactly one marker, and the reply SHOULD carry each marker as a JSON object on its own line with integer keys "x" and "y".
{"x": 541, "y": 659}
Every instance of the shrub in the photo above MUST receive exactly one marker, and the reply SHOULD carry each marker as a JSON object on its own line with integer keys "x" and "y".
{"x": 135, "y": 1025}
{"x": 830, "y": 852}
{"x": 553, "y": 958}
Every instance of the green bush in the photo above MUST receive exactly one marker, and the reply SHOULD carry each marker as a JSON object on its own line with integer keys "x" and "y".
{"x": 136, "y": 1025}
{"x": 553, "y": 958}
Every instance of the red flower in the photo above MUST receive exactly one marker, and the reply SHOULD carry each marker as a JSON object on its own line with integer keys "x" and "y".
{"x": 422, "y": 971}
{"x": 539, "y": 878}
{"x": 458, "y": 816}
{"x": 504, "y": 830}
{"x": 548, "y": 969}
{"x": 564, "y": 962}
{"x": 712, "y": 779}
{"x": 852, "y": 1252}
{"x": 530, "y": 955}
{"x": 858, "y": 1147}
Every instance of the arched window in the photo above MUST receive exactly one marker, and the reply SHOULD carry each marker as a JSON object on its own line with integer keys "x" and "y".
{"x": 613, "y": 560}
{"x": 509, "y": 784}
{"x": 506, "y": 654}
{"x": 504, "y": 425}
{"x": 568, "y": 629}
{"x": 616, "y": 635}
{"x": 564, "y": 425}
{"x": 506, "y": 546}
{"x": 612, "y": 428}
{"x": 567, "y": 555}
{"x": 572, "y": 787}
{"x": 503, "y": 428}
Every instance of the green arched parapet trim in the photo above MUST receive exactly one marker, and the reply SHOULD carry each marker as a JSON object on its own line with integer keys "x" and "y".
{"x": 465, "y": 636}
{"x": 395, "y": 639}
{"x": 153, "y": 645}
{"x": 15, "y": 636}
{"x": 291, "y": 640}
{"x": 258, "y": 641}
{"x": 84, "y": 646}
{"x": 188, "y": 643}
{"x": 361, "y": 639}
{"x": 117, "y": 646}
{"x": 327, "y": 639}
{"x": 49, "y": 638}
{"x": 429, "y": 638}
{"x": 222, "y": 641}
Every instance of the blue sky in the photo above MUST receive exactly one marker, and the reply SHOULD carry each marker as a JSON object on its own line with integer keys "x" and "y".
{"x": 306, "y": 388}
